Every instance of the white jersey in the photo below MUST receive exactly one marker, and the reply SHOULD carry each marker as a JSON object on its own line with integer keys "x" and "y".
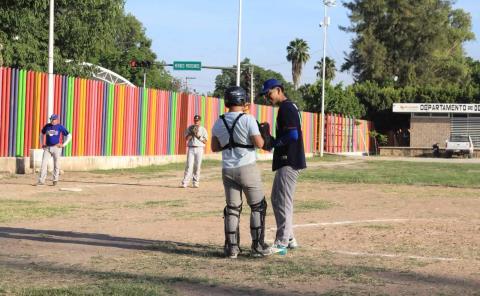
{"x": 197, "y": 142}
{"x": 245, "y": 128}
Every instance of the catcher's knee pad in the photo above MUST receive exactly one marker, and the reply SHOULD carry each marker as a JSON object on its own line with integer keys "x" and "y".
{"x": 232, "y": 238}
{"x": 257, "y": 226}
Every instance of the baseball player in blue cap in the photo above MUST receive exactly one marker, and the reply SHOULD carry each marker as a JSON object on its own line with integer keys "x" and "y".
{"x": 288, "y": 160}
{"x": 52, "y": 147}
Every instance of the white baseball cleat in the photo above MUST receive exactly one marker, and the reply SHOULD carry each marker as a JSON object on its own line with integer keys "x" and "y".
{"x": 292, "y": 243}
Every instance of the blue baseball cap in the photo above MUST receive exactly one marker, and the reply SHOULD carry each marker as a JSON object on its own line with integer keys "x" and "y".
{"x": 53, "y": 116}
{"x": 270, "y": 84}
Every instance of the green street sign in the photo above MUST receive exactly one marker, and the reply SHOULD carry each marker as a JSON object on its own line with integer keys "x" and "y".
{"x": 189, "y": 66}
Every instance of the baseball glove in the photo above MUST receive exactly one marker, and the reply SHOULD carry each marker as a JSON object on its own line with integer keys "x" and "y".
{"x": 193, "y": 130}
{"x": 264, "y": 128}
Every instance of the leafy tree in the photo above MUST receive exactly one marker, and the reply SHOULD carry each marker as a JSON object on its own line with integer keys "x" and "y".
{"x": 131, "y": 43}
{"x": 330, "y": 69}
{"x": 338, "y": 99}
{"x": 474, "y": 71}
{"x": 416, "y": 42}
{"x": 98, "y": 32}
{"x": 297, "y": 53}
{"x": 228, "y": 78}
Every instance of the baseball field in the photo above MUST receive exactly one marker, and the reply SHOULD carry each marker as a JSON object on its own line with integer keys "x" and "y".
{"x": 365, "y": 227}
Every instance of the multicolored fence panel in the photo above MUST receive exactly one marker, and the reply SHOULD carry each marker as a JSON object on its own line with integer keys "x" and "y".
{"x": 117, "y": 120}
{"x": 346, "y": 134}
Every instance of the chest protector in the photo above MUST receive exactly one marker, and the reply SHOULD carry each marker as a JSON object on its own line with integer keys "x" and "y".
{"x": 231, "y": 143}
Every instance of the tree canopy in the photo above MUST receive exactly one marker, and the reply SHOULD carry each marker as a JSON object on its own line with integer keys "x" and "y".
{"x": 297, "y": 53}
{"x": 330, "y": 69}
{"x": 98, "y": 32}
{"x": 410, "y": 41}
{"x": 228, "y": 78}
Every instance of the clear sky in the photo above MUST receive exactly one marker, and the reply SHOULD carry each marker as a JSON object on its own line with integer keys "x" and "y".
{"x": 206, "y": 31}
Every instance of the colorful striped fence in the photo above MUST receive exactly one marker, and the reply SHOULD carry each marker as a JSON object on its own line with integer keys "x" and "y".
{"x": 115, "y": 120}
{"x": 346, "y": 134}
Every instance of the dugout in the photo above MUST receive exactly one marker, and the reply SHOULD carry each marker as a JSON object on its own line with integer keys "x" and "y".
{"x": 435, "y": 123}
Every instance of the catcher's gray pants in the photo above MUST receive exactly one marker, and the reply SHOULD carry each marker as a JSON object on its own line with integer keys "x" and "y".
{"x": 282, "y": 203}
{"x": 194, "y": 163}
{"x": 50, "y": 151}
{"x": 244, "y": 179}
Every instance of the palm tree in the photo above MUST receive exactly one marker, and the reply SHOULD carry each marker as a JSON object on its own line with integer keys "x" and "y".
{"x": 329, "y": 69}
{"x": 297, "y": 53}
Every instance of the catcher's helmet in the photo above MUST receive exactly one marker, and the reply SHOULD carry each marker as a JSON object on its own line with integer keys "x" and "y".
{"x": 235, "y": 96}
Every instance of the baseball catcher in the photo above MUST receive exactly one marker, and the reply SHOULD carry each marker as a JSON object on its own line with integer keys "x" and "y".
{"x": 237, "y": 135}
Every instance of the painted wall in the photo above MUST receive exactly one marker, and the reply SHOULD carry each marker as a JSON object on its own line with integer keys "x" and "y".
{"x": 117, "y": 120}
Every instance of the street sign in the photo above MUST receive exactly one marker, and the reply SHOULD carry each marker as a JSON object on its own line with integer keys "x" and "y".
{"x": 189, "y": 66}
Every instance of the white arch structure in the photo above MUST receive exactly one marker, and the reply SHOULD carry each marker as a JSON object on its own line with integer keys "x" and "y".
{"x": 106, "y": 75}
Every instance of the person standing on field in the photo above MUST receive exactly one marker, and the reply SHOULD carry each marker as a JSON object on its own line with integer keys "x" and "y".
{"x": 237, "y": 135}
{"x": 52, "y": 148}
{"x": 288, "y": 160}
{"x": 196, "y": 137}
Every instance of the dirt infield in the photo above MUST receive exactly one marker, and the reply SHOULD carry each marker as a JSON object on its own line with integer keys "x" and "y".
{"x": 130, "y": 231}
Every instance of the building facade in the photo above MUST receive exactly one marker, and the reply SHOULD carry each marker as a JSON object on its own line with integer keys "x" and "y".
{"x": 432, "y": 123}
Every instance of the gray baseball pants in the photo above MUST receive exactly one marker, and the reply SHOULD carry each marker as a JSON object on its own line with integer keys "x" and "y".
{"x": 283, "y": 191}
{"x": 50, "y": 151}
{"x": 244, "y": 179}
{"x": 194, "y": 163}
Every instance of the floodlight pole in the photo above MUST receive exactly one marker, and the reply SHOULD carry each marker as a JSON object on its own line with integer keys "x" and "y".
{"x": 50, "y": 61}
{"x": 325, "y": 24}
{"x": 239, "y": 40}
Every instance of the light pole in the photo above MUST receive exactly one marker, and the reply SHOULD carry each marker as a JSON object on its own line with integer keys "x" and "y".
{"x": 325, "y": 24}
{"x": 50, "y": 62}
{"x": 239, "y": 40}
{"x": 186, "y": 82}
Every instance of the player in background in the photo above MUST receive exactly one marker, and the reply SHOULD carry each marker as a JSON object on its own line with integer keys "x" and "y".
{"x": 52, "y": 147}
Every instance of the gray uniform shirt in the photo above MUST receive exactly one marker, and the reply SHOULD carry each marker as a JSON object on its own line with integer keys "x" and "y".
{"x": 246, "y": 126}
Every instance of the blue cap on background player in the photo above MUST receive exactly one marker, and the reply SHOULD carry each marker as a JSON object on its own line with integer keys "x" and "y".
{"x": 270, "y": 84}
{"x": 53, "y": 117}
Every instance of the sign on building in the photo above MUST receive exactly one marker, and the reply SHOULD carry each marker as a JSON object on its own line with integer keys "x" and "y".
{"x": 435, "y": 108}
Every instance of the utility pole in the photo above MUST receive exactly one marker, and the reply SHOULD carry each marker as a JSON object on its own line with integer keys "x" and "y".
{"x": 144, "y": 77}
{"x": 325, "y": 24}
{"x": 50, "y": 61}
{"x": 186, "y": 82}
{"x": 252, "y": 85}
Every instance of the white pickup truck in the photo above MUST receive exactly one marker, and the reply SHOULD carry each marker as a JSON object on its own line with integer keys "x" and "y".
{"x": 459, "y": 145}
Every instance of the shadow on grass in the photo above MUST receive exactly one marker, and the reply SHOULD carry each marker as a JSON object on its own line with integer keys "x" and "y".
{"x": 104, "y": 240}
{"x": 130, "y": 282}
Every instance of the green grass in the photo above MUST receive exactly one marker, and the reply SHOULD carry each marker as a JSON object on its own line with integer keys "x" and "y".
{"x": 103, "y": 288}
{"x": 313, "y": 205}
{"x": 326, "y": 158}
{"x": 201, "y": 214}
{"x": 177, "y": 203}
{"x": 178, "y": 166}
{"x": 304, "y": 269}
{"x": 15, "y": 210}
{"x": 398, "y": 172}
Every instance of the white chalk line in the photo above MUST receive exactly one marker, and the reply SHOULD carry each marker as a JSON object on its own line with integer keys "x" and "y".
{"x": 394, "y": 256}
{"x": 346, "y": 223}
